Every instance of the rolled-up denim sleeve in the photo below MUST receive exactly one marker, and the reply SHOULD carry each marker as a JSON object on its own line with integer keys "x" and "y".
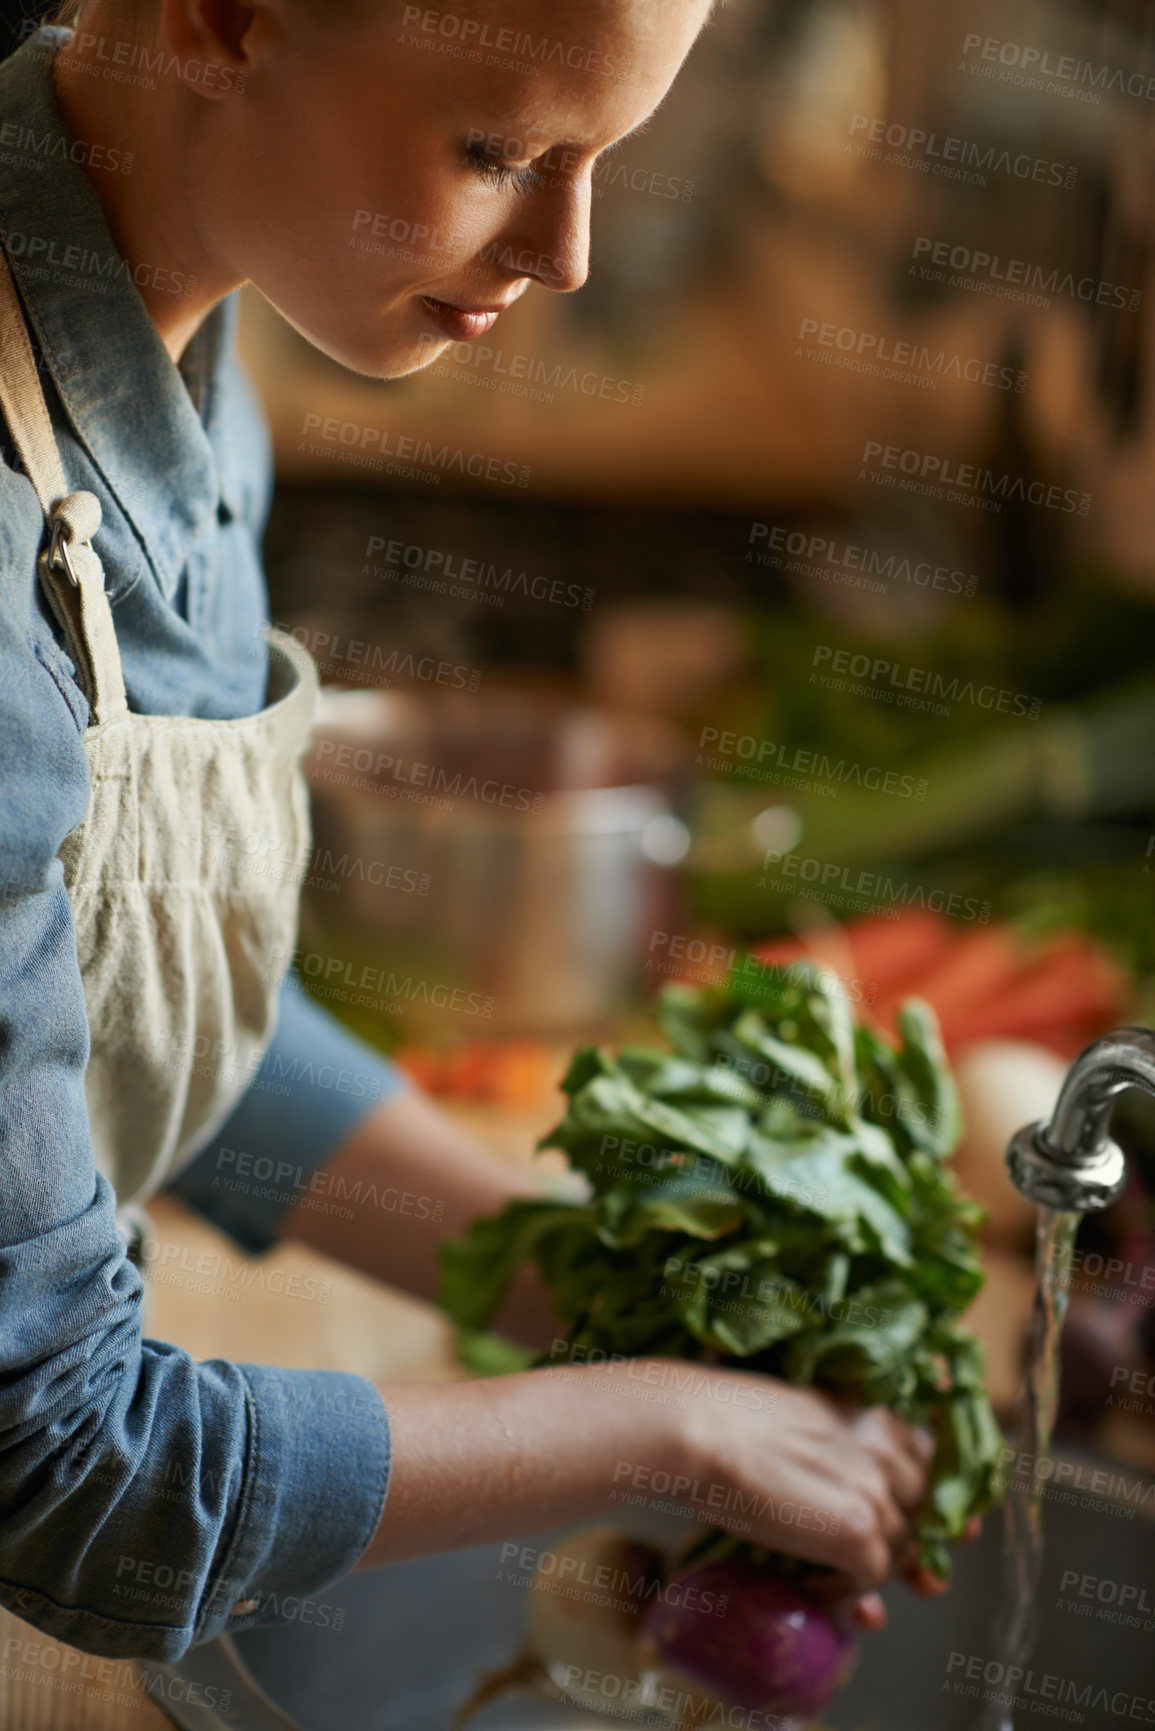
{"x": 316, "y": 1083}
{"x": 146, "y": 1501}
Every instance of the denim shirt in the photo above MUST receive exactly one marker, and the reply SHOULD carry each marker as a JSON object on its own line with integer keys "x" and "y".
{"x": 146, "y": 1502}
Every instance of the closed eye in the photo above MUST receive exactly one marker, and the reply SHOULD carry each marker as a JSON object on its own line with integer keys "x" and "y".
{"x": 503, "y": 174}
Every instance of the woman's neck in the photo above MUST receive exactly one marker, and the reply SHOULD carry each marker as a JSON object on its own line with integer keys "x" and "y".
{"x": 151, "y": 211}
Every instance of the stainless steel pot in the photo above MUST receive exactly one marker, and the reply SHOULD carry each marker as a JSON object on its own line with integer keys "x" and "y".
{"x": 484, "y": 864}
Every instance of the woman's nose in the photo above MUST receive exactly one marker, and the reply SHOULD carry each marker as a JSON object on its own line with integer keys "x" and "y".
{"x": 555, "y": 229}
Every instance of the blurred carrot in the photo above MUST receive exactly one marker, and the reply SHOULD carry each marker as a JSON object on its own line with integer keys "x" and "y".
{"x": 891, "y": 951}
{"x": 421, "y": 1065}
{"x": 517, "y": 1074}
{"x": 1074, "y": 986}
{"x": 978, "y": 966}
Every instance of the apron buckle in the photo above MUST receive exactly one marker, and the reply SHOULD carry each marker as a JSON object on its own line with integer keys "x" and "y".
{"x": 58, "y": 559}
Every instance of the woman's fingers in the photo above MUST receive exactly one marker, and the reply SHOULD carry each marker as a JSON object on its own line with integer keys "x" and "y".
{"x": 924, "y": 1581}
{"x": 901, "y": 1451}
{"x": 869, "y": 1613}
{"x": 839, "y": 1591}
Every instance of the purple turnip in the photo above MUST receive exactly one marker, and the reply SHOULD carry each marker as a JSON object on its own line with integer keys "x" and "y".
{"x": 751, "y": 1638}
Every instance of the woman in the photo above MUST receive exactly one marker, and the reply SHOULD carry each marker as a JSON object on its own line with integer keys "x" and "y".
{"x": 155, "y": 158}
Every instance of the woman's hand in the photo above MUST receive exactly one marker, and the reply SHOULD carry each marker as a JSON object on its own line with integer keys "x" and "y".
{"x": 792, "y": 1469}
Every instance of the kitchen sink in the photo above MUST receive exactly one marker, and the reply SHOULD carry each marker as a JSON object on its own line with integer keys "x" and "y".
{"x": 414, "y": 1639}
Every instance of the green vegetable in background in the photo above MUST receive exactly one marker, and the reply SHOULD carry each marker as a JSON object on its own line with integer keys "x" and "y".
{"x": 771, "y": 1191}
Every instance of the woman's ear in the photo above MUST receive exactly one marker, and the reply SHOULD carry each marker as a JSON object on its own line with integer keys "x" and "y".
{"x": 216, "y": 44}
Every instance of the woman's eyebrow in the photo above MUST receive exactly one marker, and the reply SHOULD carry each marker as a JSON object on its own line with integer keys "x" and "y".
{"x": 609, "y": 149}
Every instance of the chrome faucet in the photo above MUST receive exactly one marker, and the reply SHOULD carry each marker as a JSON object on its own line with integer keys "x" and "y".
{"x": 1072, "y": 1163}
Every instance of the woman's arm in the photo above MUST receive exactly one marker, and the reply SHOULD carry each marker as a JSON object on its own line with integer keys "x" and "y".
{"x": 413, "y": 1178}
{"x": 781, "y": 1466}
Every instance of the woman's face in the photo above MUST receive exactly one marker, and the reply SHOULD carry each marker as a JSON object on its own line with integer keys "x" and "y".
{"x": 391, "y": 185}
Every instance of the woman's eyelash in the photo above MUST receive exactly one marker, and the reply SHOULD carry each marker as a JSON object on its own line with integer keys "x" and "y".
{"x": 499, "y": 173}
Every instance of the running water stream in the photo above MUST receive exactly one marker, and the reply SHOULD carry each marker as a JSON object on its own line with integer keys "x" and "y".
{"x": 1023, "y": 1507}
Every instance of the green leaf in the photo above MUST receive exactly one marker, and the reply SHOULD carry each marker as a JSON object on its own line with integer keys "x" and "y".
{"x": 491, "y": 1354}
{"x": 680, "y": 1079}
{"x": 586, "y": 1063}
{"x": 922, "y": 1059}
{"x": 796, "y": 1066}
{"x": 478, "y": 1269}
{"x": 609, "y": 1116}
{"x": 869, "y": 1349}
{"x": 737, "y": 1300}
{"x": 818, "y": 1173}
{"x": 693, "y": 1202}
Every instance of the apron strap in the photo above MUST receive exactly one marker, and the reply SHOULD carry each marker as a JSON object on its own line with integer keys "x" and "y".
{"x": 69, "y": 568}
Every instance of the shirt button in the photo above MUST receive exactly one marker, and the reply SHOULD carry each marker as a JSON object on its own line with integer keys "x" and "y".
{"x": 246, "y": 1607}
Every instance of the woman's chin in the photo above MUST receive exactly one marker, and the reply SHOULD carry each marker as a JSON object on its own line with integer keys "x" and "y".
{"x": 379, "y": 352}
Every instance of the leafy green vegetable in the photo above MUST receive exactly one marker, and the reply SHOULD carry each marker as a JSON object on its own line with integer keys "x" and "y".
{"x": 773, "y": 1191}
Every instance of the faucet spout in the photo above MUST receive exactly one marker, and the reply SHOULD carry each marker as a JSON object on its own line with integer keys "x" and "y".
{"x": 1072, "y": 1163}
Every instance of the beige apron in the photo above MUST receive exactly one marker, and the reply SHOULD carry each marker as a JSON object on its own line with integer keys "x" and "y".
{"x": 184, "y": 874}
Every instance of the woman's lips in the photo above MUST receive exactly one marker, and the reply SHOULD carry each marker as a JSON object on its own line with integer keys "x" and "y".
{"x": 463, "y": 325}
